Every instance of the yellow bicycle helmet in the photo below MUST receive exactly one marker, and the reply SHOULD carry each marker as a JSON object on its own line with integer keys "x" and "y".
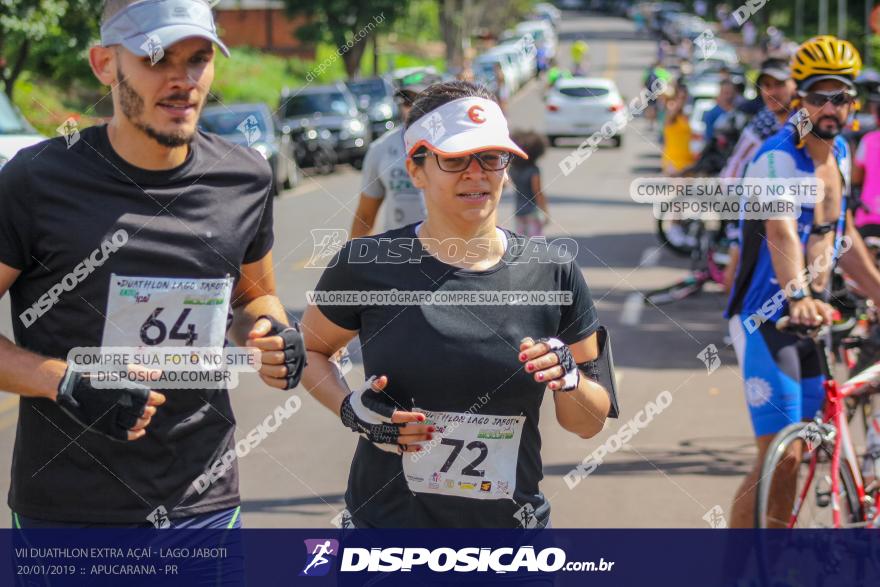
{"x": 825, "y": 57}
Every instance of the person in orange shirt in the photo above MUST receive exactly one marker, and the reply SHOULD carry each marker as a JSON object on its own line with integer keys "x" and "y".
{"x": 676, "y": 136}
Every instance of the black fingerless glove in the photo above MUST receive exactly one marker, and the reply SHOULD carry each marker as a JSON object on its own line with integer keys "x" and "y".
{"x": 571, "y": 378}
{"x": 294, "y": 349}
{"x": 369, "y": 414}
{"x": 109, "y": 412}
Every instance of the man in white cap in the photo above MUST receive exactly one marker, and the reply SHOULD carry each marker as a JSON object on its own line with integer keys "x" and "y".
{"x": 141, "y": 233}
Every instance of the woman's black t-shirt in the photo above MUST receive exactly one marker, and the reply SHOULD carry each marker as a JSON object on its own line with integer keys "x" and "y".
{"x": 460, "y": 358}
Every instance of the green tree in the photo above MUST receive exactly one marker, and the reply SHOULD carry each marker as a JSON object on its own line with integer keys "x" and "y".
{"x": 347, "y": 24}
{"x": 44, "y": 33}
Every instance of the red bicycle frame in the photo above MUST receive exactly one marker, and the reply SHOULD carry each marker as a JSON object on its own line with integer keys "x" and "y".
{"x": 834, "y": 412}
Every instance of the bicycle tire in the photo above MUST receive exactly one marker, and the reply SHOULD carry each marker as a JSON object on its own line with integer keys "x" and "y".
{"x": 775, "y": 451}
{"x": 675, "y": 293}
{"x": 681, "y": 250}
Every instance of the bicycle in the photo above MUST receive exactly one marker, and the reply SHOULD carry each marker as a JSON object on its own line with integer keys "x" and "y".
{"x": 708, "y": 262}
{"x": 823, "y": 443}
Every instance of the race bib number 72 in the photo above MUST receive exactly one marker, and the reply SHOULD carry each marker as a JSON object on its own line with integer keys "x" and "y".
{"x": 472, "y": 456}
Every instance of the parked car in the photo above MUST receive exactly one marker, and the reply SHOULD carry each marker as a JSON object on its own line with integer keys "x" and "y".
{"x": 315, "y": 148}
{"x": 484, "y": 73}
{"x": 510, "y": 57}
{"x": 698, "y": 110}
{"x": 548, "y": 12}
{"x": 580, "y": 106}
{"x": 398, "y": 74}
{"x": 487, "y": 61}
{"x": 686, "y": 26}
{"x": 375, "y": 96}
{"x": 331, "y": 107}
{"x": 15, "y": 132}
{"x": 252, "y": 125}
{"x": 542, "y": 32}
{"x": 525, "y": 62}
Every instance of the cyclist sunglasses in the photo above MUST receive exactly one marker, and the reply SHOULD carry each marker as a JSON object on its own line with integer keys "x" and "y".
{"x": 819, "y": 99}
{"x": 488, "y": 160}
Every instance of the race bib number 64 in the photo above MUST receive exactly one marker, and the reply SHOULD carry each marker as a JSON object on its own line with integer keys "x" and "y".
{"x": 144, "y": 312}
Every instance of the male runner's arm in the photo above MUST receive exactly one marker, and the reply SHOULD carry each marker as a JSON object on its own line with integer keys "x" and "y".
{"x": 255, "y": 296}
{"x": 372, "y": 195}
{"x": 365, "y": 216}
{"x": 28, "y": 374}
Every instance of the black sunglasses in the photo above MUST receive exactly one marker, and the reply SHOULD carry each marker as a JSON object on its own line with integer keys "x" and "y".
{"x": 488, "y": 160}
{"x": 819, "y": 99}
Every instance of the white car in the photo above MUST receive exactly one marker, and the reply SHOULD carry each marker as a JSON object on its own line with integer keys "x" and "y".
{"x": 524, "y": 60}
{"x": 698, "y": 128}
{"x": 15, "y": 132}
{"x": 542, "y": 32}
{"x": 548, "y": 12}
{"x": 580, "y": 106}
{"x": 487, "y": 62}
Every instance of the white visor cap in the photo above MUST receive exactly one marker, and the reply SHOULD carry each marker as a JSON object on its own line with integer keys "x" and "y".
{"x": 462, "y": 127}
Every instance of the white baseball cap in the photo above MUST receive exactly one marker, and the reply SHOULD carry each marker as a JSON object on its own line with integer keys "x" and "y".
{"x": 462, "y": 127}
{"x": 162, "y": 23}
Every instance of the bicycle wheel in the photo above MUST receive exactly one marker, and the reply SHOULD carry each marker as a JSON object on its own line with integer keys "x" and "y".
{"x": 692, "y": 228}
{"x": 681, "y": 290}
{"x": 812, "y": 506}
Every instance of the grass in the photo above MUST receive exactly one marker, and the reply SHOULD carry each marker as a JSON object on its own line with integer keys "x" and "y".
{"x": 249, "y": 76}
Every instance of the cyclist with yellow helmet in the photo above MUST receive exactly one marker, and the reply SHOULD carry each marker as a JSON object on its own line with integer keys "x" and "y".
{"x": 783, "y": 381}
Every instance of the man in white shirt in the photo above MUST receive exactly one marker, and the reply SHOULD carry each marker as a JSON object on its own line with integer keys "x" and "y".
{"x": 384, "y": 176}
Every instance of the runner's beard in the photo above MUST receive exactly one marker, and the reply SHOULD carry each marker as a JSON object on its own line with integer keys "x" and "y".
{"x": 133, "y": 108}
{"x": 826, "y": 133}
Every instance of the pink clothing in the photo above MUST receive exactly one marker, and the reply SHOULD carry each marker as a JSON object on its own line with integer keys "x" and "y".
{"x": 868, "y": 156}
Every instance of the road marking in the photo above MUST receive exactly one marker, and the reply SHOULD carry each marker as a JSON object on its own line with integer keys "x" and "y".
{"x": 632, "y": 309}
{"x": 650, "y": 257}
{"x": 613, "y": 59}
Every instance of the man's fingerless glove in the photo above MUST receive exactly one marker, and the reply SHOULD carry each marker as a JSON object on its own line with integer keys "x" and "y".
{"x": 109, "y": 412}
{"x": 572, "y": 376}
{"x": 294, "y": 349}
{"x": 369, "y": 414}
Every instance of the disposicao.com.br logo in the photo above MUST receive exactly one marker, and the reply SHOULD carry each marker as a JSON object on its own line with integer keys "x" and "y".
{"x": 321, "y": 556}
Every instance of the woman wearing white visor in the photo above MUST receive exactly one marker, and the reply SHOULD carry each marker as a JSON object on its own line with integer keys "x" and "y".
{"x": 458, "y": 363}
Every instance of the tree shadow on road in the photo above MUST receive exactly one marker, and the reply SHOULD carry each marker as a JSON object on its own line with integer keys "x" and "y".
{"x": 714, "y": 456}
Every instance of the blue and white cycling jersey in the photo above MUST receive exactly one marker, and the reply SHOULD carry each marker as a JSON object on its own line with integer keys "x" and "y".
{"x": 778, "y": 157}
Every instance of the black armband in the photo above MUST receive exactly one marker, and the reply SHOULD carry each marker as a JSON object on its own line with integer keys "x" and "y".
{"x": 821, "y": 229}
{"x": 601, "y": 370}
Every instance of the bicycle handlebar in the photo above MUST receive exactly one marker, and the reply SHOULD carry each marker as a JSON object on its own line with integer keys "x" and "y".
{"x": 784, "y": 324}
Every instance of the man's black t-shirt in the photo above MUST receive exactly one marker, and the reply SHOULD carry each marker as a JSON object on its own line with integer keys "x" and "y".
{"x": 201, "y": 220}
{"x": 455, "y": 358}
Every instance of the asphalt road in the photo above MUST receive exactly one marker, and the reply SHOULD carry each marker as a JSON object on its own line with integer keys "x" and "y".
{"x": 670, "y": 474}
